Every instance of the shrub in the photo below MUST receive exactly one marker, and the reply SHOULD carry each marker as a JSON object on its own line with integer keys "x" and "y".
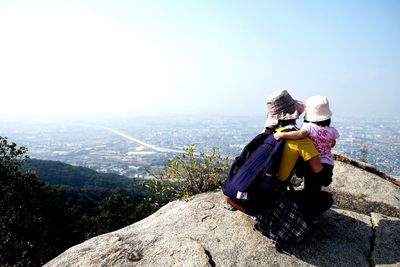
{"x": 190, "y": 173}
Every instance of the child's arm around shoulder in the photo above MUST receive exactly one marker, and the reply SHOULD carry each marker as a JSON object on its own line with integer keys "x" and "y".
{"x": 299, "y": 134}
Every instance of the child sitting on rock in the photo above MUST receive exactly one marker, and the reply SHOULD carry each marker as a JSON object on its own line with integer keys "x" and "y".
{"x": 317, "y": 127}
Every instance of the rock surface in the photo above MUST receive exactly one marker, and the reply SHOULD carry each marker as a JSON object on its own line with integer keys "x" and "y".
{"x": 362, "y": 229}
{"x": 356, "y": 189}
{"x": 387, "y": 240}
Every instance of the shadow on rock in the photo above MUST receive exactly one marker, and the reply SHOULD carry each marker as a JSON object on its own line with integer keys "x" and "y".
{"x": 386, "y": 246}
{"x": 339, "y": 238}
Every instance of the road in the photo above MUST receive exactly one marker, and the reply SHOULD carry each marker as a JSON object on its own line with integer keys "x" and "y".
{"x": 153, "y": 147}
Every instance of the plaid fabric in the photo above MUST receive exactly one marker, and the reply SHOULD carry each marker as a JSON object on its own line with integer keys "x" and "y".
{"x": 283, "y": 223}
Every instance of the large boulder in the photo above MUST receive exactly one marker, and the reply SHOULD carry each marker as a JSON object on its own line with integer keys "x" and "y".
{"x": 360, "y": 187}
{"x": 200, "y": 232}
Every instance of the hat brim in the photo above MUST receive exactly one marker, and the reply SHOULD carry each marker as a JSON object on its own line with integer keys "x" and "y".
{"x": 318, "y": 118}
{"x": 297, "y": 109}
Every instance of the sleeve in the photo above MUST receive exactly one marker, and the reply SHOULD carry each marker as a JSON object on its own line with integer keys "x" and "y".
{"x": 307, "y": 149}
{"x": 306, "y": 126}
{"x": 336, "y": 134}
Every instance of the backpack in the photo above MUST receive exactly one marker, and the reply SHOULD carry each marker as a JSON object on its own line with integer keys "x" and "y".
{"x": 251, "y": 183}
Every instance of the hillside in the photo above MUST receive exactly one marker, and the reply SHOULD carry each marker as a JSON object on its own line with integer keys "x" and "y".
{"x": 85, "y": 188}
{"x": 59, "y": 173}
{"x": 361, "y": 229}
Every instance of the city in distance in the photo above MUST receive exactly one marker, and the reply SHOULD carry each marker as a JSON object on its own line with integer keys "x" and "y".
{"x": 129, "y": 145}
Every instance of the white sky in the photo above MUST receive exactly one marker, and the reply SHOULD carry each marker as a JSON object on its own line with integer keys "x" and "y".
{"x": 207, "y": 57}
{"x": 56, "y": 59}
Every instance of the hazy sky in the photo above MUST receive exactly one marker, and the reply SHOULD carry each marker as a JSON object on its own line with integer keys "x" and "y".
{"x": 203, "y": 57}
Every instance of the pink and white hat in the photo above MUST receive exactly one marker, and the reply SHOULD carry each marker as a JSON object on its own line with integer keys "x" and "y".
{"x": 317, "y": 109}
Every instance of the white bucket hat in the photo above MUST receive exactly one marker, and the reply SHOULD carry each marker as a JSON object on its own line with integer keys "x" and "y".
{"x": 281, "y": 106}
{"x": 317, "y": 109}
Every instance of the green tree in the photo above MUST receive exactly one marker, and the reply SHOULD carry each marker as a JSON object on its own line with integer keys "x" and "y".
{"x": 116, "y": 211}
{"x": 34, "y": 223}
{"x": 190, "y": 173}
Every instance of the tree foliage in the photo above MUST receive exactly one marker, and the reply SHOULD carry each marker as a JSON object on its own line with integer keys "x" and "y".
{"x": 34, "y": 224}
{"x": 190, "y": 173}
{"x": 116, "y": 211}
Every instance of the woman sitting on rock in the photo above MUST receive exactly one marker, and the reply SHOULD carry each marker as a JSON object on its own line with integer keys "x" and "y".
{"x": 287, "y": 219}
{"x": 284, "y": 217}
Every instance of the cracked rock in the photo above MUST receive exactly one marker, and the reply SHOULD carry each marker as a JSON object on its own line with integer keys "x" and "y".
{"x": 387, "y": 240}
